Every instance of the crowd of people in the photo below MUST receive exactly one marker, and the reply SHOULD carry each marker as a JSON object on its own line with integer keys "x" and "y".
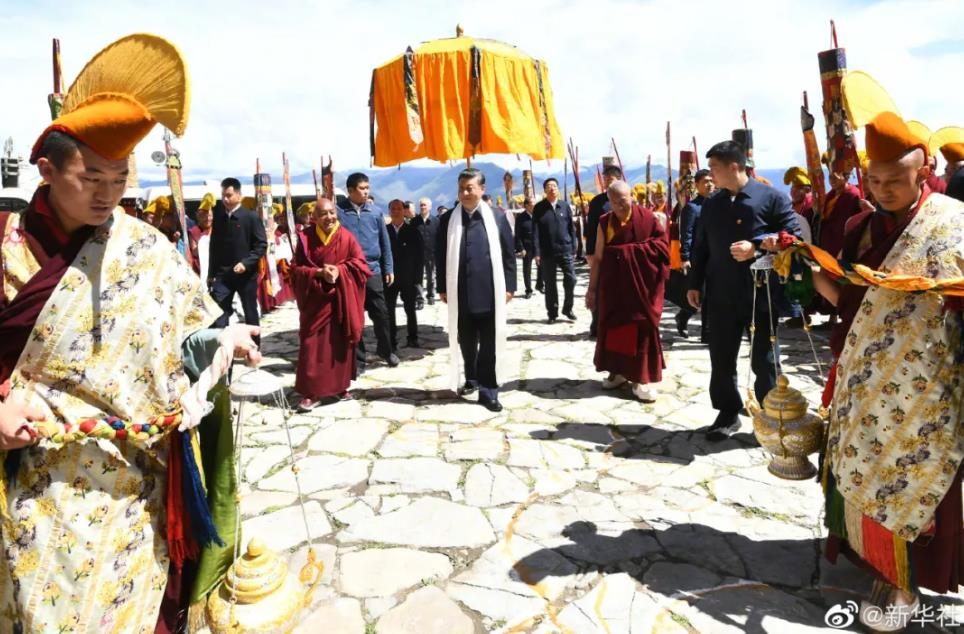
{"x": 103, "y": 326}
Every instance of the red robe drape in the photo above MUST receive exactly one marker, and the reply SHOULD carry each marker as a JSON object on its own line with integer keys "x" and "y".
{"x": 332, "y": 315}
{"x": 632, "y": 275}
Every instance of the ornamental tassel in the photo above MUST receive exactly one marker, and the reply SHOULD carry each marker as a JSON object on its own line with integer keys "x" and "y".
{"x": 195, "y": 498}
{"x": 180, "y": 544}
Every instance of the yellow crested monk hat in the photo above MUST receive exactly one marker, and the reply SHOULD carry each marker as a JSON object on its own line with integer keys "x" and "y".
{"x": 160, "y": 206}
{"x": 207, "y": 202}
{"x": 121, "y": 94}
{"x": 889, "y": 138}
{"x": 796, "y": 176}
{"x": 949, "y": 142}
{"x": 306, "y": 208}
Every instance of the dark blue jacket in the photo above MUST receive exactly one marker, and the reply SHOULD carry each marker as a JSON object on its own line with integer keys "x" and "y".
{"x": 554, "y": 235}
{"x": 756, "y": 211}
{"x": 597, "y": 207}
{"x": 524, "y": 234}
{"x": 240, "y": 238}
{"x": 689, "y": 218}
{"x": 368, "y": 227}
{"x": 476, "y": 288}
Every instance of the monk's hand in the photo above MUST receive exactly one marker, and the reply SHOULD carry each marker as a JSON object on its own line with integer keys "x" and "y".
{"x": 332, "y": 273}
{"x": 238, "y": 338}
{"x": 239, "y": 268}
{"x": 508, "y": 297}
{"x": 770, "y": 243}
{"x": 444, "y": 297}
{"x": 693, "y": 297}
{"x": 16, "y": 425}
{"x": 742, "y": 250}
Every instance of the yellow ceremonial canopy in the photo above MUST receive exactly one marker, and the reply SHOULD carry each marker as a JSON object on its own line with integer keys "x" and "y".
{"x": 457, "y": 97}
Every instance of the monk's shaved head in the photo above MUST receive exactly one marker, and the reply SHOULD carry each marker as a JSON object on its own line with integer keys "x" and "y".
{"x": 897, "y": 184}
{"x": 619, "y": 188}
{"x": 620, "y": 198}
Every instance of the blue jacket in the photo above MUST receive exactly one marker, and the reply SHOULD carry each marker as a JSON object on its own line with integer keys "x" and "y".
{"x": 370, "y": 230}
{"x": 689, "y": 217}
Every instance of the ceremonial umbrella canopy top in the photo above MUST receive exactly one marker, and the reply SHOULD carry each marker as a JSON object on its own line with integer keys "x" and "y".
{"x": 457, "y": 97}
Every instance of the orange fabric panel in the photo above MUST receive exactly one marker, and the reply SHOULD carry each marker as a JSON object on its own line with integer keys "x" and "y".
{"x": 393, "y": 143}
{"x": 442, "y": 83}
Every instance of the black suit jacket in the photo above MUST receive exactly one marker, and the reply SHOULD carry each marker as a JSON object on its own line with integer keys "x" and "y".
{"x": 408, "y": 253}
{"x": 554, "y": 234}
{"x": 757, "y": 210}
{"x": 524, "y": 233}
{"x": 240, "y": 238}
{"x": 428, "y": 230}
{"x": 505, "y": 242}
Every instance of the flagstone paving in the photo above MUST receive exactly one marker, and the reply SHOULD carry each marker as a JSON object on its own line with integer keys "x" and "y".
{"x": 573, "y": 510}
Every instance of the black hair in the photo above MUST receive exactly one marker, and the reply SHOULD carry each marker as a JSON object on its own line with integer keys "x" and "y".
{"x": 700, "y": 175}
{"x": 613, "y": 170}
{"x": 729, "y": 152}
{"x": 231, "y": 182}
{"x": 471, "y": 172}
{"x": 58, "y": 148}
{"x": 551, "y": 179}
{"x": 355, "y": 179}
{"x": 486, "y": 198}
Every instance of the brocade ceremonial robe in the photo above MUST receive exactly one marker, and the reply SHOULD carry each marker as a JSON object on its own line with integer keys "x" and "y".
{"x": 91, "y": 327}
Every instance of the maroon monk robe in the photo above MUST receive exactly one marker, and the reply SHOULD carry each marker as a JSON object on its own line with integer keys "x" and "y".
{"x": 332, "y": 315}
{"x": 838, "y": 209}
{"x": 936, "y": 558}
{"x": 936, "y": 184}
{"x": 633, "y": 272}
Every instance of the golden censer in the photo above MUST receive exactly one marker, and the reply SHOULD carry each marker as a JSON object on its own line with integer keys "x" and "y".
{"x": 785, "y": 428}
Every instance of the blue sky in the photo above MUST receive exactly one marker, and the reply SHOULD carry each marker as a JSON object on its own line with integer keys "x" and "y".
{"x": 294, "y": 76}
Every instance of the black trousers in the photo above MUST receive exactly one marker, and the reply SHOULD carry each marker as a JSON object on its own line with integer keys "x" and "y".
{"x": 408, "y": 294}
{"x": 728, "y": 327}
{"x": 425, "y": 289}
{"x": 527, "y": 271}
{"x": 378, "y": 313}
{"x": 550, "y": 264}
{"x": 223, "y": 290}
{"x": 477, "y": 343}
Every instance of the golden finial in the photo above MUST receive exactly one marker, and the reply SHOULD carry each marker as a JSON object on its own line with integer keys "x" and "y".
{"x": 458, "y": 30}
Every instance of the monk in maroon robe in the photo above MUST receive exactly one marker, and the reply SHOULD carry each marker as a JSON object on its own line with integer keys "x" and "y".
{"x": 627, "y": 291}
{"x": 328, "y": 276}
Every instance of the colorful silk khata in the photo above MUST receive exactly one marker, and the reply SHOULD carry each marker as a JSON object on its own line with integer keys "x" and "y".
{"x": 83, "y": 532}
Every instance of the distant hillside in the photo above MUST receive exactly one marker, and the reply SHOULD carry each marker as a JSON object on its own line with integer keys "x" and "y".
{"x": 439, "y": 183}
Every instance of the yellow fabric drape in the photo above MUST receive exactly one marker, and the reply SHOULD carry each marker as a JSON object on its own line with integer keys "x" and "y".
{"x": 326, "y": 237}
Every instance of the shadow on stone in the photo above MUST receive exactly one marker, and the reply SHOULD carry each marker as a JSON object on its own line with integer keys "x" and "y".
{"x": 643, "y": 442}
{"x": 699, "y": 565}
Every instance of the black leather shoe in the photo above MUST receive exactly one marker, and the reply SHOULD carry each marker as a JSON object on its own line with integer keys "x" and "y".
{"x": 419, "y": 305}
{"x": 468, "y": 388}
{"x": 392, "y": 360}
{"x": 551, "y": 320}
{"x": 431, "y": 301}
{"x": 492, "y": 406}
{"x": 681, "y": 326}
{"x": 412, "y": 343}
{"x": 528, "y": 294}
{"x": 723, "y": 427}
{"x": 571, "y": 316}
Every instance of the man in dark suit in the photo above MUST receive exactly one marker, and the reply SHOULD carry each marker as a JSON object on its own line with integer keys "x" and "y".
{"x": 485, "y": 282}
{"x": 736, "y": 225}
{"x": 238, "y": 243}
{"x": 428, "y": 228}
{"x": 524, "y": 245}
{"x": 408, "y": 256}
{"x": 554, "y": 238}
{"x": 689, "y": 219}
{"x": 598, "y": 206}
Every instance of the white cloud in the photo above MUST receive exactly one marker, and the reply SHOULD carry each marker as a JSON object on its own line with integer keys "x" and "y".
{"x": 294, "y": 76}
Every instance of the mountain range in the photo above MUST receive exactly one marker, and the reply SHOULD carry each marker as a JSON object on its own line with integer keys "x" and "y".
{"x": 439, "y": 182}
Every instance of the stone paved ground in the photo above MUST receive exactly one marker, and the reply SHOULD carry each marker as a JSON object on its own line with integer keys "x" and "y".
{"x": 573, "y": 510}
